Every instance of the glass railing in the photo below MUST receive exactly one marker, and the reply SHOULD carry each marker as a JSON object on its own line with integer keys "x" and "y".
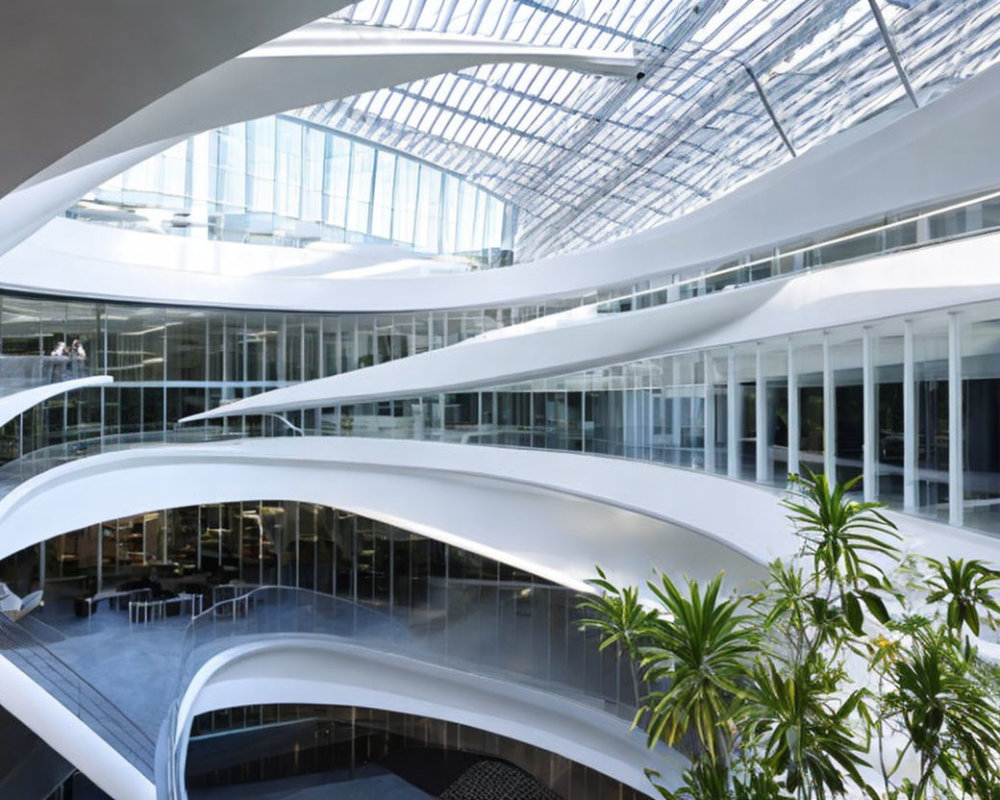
{"x": 979, "y": 215}
{"x": 551, "y": 652}
{"x": 527, "y": 634}
{"x": 81, "y": 698}
{"x": 26, "y": 372}
{"x": 43, "y": 459}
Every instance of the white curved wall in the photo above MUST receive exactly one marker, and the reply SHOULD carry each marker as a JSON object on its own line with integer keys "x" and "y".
{"x": 17, "y": 403}
{"x": 300, "y": 669}
{"x": 69, "y": 736}
{"x": 926, "y": 279}
{"x": 552, "y": 514}
{"x": 114, "y": 58}
{"x": 855, "y": 176}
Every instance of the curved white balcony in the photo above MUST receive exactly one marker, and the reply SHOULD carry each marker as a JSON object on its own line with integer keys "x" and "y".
{"x": 156, "y": 48}
{"x": 859, "y": 176}
{"x": 552, "y": 514}
{"x": 315, "y": 670}
{"x": 895, "y": 285}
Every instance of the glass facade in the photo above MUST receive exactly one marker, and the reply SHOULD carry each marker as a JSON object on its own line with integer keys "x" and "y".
{"x": 170, "y": 362}
{"x": 450, "y": 605}
{"x": 283, "y": 181}
{"x": 349, "y": 743}
{"x": 836, "y": 401}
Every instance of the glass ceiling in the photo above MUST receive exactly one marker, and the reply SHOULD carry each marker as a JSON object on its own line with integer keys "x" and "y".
{"x": 731, "y": 88}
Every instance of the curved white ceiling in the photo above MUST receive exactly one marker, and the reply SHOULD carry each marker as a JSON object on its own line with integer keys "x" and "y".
{"x": 552, "y": 514}
{"x": 856, "y": 176}
{"x": 73, "y": 70}
{"x": 321, "y": 61}
{"x": 904, "y": 283}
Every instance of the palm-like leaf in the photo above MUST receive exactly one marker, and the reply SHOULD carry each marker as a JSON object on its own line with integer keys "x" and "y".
{"x": 840, "y": 534}
{"x": 805, "y": 733}
{"x": 703, "y": 648}
{"x": 967, "y": 586}
{"x": 617, "y": 614}
{"x": 950, "y": 719}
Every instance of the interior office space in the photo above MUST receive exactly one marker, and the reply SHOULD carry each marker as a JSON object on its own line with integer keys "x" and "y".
{"x": 339, "y": 344}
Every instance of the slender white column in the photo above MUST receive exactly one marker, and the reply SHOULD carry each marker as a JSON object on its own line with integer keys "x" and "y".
{"x": 794, "y": 424}
{"x": 709, "y": 415}
{"x": 675, "y": 410}
{"x": 829, "y": 413}
{"x": 870, "y": 442}
{"x": 732, "y": 427}
{"x": 762, "y": 421}
{"x": 909, "y": 422}
{"x": 956, "y": 442}
{"x": 100, "y": 557}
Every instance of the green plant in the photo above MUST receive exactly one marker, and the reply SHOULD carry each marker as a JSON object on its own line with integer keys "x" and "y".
{"x": 762, "y": 682}
{"x": 804, "y": 728}
{"x": 621, "y": 620}
{"x": 703, "y": 646}
{"x": 967, "y": 587}
{"x": 846, "y": 540}
{"x": 952, "y": 724}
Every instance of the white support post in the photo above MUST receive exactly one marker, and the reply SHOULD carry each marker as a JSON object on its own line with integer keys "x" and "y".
{"x": 732, "y": 427}
{"x": 870, "y": 440}
{"x": 762, "y": 421}
{"x": 794, "y": 425}
{"x": 709, "y": 415}
{"x": 909, "y": 421}
{"x": 675, "y": 410}
{"x": 829, "y": 414}
{"x": 956, "y": 441}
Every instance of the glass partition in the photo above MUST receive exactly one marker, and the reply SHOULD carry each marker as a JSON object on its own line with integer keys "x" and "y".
{"x": 889, "y": 349}
{"x": 930, "y": 368}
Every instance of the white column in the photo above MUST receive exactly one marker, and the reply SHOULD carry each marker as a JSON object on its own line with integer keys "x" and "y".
{"x": 675, "y": 411}
{"x": 870, "y": 442}
{"x": 709, "y": 415}
{"x": 100, "y": 556}
{"x": 923, "y": 230}
{"x": 320, "y": 352}
{"x": 763, "y": 428}
{"x": 956, "y": 442}
{"x": 794, "y": 424}
{"x": 829, "y": 414}
{"x": 909, "y": 421}
{"x": 732, "y": 427}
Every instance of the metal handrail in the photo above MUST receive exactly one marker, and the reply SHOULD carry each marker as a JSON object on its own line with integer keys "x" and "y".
{"x": 78, "y": 695}
{"x": 605, "y": 306}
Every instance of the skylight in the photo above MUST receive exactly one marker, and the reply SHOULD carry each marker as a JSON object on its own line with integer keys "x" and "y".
{"x": 588, "y": 158}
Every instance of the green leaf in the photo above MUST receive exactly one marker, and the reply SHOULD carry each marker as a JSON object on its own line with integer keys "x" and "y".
{"x": 852, "y": 610}
{"x": 875, "y": 606}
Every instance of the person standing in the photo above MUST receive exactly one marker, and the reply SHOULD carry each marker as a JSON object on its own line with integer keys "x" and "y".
{"x": 79, "y": 358}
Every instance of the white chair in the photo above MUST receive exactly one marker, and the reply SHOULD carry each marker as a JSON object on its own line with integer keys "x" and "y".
{"x": 14, "y": 607}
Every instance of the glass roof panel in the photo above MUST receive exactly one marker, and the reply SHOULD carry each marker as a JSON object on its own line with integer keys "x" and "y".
{"x": 731, "y": 88}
